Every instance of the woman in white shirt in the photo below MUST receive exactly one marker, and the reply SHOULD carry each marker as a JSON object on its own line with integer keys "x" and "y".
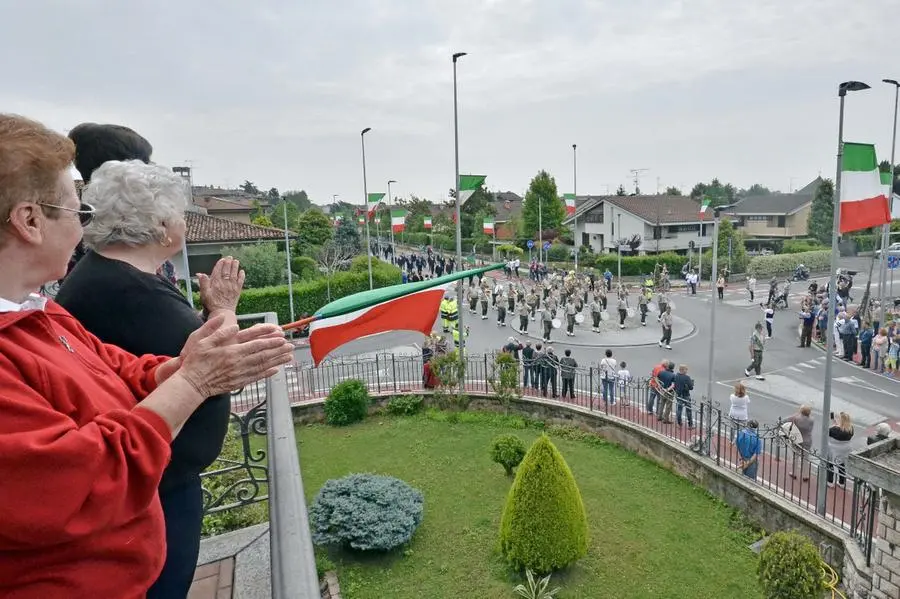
{"x": 740, "y": 404}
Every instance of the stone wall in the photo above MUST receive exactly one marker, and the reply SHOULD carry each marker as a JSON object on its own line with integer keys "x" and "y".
{"x": 886, "y": 553}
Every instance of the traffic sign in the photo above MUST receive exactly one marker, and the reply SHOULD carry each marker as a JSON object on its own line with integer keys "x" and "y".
{"x": 546, "y": 245}
{"x": 624, "y": 248}
{"x": 530, "y": 244}
{"x": 893, "y": 262}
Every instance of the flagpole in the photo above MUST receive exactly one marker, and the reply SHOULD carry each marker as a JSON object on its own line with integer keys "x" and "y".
{"x": 843, "y": 88}
{"x": 459, "y": 284}
{"x": 287, "y": 249}
{"x": 886, "y": 229}
{"x": 575, "y": 201}
{"x": 391, "y": 213}
{"x": 362, "y": 137}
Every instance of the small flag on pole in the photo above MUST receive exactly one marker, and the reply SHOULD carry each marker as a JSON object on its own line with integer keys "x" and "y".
{"x": 704, "y": 208}
{"x": 398, "y": 220}
{"x": 427, "y": 222}
{"x": 362, "y": 220}
{"x": 468, "y": 185}
{"x": 377, "y": 220}
{"x": 488, "y": 225}
{"x": 373, "y": 202}
{"x": 570, "y": 203}
{"x": 337, "y": 219}
{"x": 864, "y": 199}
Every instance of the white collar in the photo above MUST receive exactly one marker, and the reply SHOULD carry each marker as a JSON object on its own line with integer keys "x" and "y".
{"x": 34, "y": 302}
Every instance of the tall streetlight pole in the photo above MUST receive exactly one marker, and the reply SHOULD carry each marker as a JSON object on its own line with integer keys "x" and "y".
{"x": 287, "y": 250}
{"x": 459, "y": 261}
{"x": 619, "y": 246}
{"x": 717, "y": 213}
{"x": 886, "y": 229}
{"x": 362, "y": 137}
{"x": 575, "y": 200}
{"x": 843, "y": 88}
{"x": 540, "y": 228}
{"x": 391, "y": 217}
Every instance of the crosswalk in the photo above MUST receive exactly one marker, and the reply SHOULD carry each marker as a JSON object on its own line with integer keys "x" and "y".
{"x": 740, "y": 298}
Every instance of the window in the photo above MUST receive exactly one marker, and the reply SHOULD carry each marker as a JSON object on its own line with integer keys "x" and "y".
{"x": 781, "y": 221}
{"x": 684, "y": 228}
{"x": 657, "y": 232}
{"x": 757, "y": 218}
{"x": 594, "y": 216}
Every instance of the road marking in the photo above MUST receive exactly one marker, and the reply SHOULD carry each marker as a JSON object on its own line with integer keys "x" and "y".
{"x": 858, "y": 382}
{"x": 819, "y": 360}
{"x": 793, "y": 369}
{"x": 805, "y": 365}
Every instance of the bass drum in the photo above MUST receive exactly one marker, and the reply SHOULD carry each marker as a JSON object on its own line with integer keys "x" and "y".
{"x": 604, "y": 315}
{"x": 651, "y": 307}
{"x": 556, "y": 323}
{"x": 630, "y": 312}
{"x": 579, "y": 318}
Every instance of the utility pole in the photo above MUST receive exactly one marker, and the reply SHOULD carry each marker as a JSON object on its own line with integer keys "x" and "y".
{"x": 636, "y": 173}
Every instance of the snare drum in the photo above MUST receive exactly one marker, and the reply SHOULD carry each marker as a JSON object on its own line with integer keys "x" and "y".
{"x": 604, "y": 315}
{"x": 630, "y": 312}
{"x": 556, "y": 323}
{"x": 579, "y": 318}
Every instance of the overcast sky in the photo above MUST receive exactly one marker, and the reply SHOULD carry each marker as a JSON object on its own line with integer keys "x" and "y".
{"x": 277, "y": 91}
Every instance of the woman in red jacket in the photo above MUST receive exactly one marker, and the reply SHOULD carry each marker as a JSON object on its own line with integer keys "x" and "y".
{"x": 86, "y": 426}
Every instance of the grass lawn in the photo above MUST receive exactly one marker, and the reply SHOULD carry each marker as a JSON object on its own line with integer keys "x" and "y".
{"x": 652, "y": 534}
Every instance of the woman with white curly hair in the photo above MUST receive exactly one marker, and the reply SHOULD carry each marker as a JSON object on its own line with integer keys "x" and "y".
{"x": 116, "y": 293}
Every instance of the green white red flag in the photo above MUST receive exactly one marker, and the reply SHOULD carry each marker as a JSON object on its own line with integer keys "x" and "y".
{"x": 569, "y": 199}
{"x": 864, "y": 199}
{"x": 373, "y": 201}
{"x": 404, "y": 307}
{"x": 488, "y": 225}
{"x": 398, "y": 220}
{"x": 468, "y": 185}
{"x": 704, "y": 208}
{"x": 426, "y": 222}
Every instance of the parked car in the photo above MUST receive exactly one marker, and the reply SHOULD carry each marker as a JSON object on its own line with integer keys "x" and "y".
{"x": 892, "y": 250}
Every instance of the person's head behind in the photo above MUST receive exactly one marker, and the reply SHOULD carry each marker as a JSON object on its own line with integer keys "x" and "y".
{"x": 740, "y": 390}
{"x": 682, "y": 369}
{"x": 758, "y": 327}
{"x": 609, "y": 353}
{"x": 882, "y": 331}
{"x": 623, "y": 365}
{"x": 805, "y": 410}
{"x": 752, "y": 424}
{"x": 883, "y": 429}
{"x": 844, "y": 422}
{"x": 137, "y": 205}
{"x": 670, "y": 365}
{"x": 39, "y": 208}
{"x": 568, "y": 352}
{"x": 96, "y": 144}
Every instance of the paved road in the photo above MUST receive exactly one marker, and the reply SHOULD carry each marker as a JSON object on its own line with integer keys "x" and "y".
{"x": 793, "y": 375}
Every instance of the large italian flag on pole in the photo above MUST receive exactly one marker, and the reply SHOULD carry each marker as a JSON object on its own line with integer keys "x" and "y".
{"x": 426, "y": 222}
{"x": 468, "y": 184}
{"x": 488, "y": 225}
{"x": 704, "y": 208}
{"x": 398, "y": 220}
{"x": 887, "y": 180}
{"x": 569, "y": 198}
{"x": 864, "y": 201}
{"x": 373, "y": 202}
{"x": 404, "y": 307}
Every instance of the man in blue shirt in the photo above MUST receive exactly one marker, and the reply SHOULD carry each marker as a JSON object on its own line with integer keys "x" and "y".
{"x": 749, "y": 448}
{"x": 666, "y": 379}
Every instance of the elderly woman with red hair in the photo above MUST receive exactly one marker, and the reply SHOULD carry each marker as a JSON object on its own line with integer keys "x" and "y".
{"x": 86, "y": 427}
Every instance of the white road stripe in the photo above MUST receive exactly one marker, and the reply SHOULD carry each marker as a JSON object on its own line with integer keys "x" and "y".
{"x": 793, "y": 369}
{"x": 805, "y": 365}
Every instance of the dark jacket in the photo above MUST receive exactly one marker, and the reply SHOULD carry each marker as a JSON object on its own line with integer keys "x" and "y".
{"x": 683, "y": 385}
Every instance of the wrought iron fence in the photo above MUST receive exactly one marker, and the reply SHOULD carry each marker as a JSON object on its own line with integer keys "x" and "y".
{"x": 784, "y": 468}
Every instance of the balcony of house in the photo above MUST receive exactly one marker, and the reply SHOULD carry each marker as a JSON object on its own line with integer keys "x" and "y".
{"x": 774, "y": 225}
{"x": 675, "y": 238}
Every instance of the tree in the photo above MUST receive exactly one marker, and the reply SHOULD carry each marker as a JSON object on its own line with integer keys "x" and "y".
{"x": 277, "y": 216}
{"x": 633, "y": 243}
{"x": 417, "y": 209}
{"x": 542, "y": 192}
{"x": 673, "y": 191}
{"x": 620, "y": 191}
{"x": 332, "y": 257}
{"x": 262, "y": 220}
{"x": 314, "y": 229}
{"x": 716, "y": 192}
{"x": 544, "y": 526}
{"x": 298, "y": 199}
{"x": 263, "y": 264}
{"x": 273, "y": 194}
{"x": 473, "y": 210}
{"x": 755, "y": 190}
{"x": 727, "y": 233}
{"x": 249, "y": 188}
{"x": 346, "y": 235}
{"x": 821, "y": 215}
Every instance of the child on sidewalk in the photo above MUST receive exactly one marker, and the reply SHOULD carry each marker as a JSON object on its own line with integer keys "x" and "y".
{"x": 623, "y": 377}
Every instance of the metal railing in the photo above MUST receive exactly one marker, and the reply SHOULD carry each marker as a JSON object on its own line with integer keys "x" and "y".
{"x": 784, "y": 468}
{"x": 265, "y": 409}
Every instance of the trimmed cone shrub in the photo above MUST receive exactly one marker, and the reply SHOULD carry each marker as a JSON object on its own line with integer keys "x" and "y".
{"x": 347, "y": 402}
{"x": 544, "y": 525}
{"x": 790, "y": 567}
{"x": 366, "y": 512}
{"x": 508, "y": 451}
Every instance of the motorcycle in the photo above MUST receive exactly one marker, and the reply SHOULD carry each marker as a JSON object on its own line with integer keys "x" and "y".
{"x": 800, "y": 274}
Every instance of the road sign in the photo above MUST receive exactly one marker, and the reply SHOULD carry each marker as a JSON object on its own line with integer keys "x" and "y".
{"x": 546, "y": 245}
{"x": 893, "y": 262}
{"x": 530, "y": 244}
{"x": 624, "y": 248}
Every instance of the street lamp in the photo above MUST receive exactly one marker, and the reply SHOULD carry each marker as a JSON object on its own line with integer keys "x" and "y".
{"x": 717, "y": 212}
{"x": 843, "y": 88}
{"x": 459, "y": 261}
{"x": 885, "y": 230}
{"x": 362, "y": 137}
{"x": 287, "y": 250}
{"x": 391, "y": 218}
{"x": 575, "y": 201}
{"x": 619, "y": 245}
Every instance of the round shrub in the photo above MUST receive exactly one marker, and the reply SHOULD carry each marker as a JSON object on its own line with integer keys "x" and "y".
{"x": 544, "y": 525}
{"x": 508, "y": 451}
{"x": 790, "y": 567}
{"x": 366, "y": 512}
{"x": 347, "y": 402}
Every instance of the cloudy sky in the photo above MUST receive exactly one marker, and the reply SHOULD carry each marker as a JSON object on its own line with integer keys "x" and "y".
{"x": 277, "y": 91}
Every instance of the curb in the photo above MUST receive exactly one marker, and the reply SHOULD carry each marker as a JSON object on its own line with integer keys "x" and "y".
{"x": 821, "y": 348}
{"x": 568, "y": 340}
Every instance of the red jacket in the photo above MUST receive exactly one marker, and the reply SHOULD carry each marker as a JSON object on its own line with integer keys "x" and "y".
{"x": 79, "y": 463}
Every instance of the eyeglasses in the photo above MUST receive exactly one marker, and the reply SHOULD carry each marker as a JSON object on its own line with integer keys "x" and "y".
{"x": 84, "y": 211}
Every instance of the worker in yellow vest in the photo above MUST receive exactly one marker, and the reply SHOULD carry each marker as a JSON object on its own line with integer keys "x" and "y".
{"x": 452, "y": 311}
{"x": 445, "y": 313}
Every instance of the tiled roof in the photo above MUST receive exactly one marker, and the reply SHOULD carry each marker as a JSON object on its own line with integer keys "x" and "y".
{"x": 224, "y": 204}
{"x": 662, "y": 209}
{"x": 771, "y": 204}
{"x": 203, "y": 228}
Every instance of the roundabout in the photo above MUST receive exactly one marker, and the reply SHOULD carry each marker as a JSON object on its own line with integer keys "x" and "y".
{"x": 610, "y": 335}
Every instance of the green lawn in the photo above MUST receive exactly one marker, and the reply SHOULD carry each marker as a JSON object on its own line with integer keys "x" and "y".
{"x": 652, "y": 534}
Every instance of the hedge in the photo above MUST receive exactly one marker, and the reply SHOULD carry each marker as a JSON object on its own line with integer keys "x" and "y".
{"x": 312, "y": 295}
{"x": 867, "y": 243}
{"x": 640, "y": 265}
{"x": 796, "y": 246}
{"x": 766, "y": 266}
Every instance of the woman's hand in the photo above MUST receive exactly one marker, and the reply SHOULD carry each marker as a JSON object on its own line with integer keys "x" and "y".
{"x": 219, "y": 357}
{"x": 221, "y": 290}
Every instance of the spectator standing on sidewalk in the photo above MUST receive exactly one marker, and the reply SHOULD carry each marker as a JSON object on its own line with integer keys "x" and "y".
{"x": 623, "y": 377}
{"x": 513, "y": 347}
{"x": 807, "y": 319}
{"x": 654, "y": 388}
{"x": 549, "y": 365}
{"x": 803, "y": 422}
{"x": 567, "y": 366}
{"x": 739, "y": 411}
{"x": 866, "y": 335}
{"x": 666, "y": 322}
{"x": 749, "y": 447}
{"x": 684, "y": 384}
{"x": 757, "y": 343}
{"x": 882, "y": 432}
{"x": 528, "y": 366}
{"x": 879, "y": 347}
{"x": 608, "y": 369}
{"x": 840, "y": 436}
{"x": 666, "y": 379}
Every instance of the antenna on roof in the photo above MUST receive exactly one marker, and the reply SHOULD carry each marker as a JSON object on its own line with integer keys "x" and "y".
{"x": 637, "y": 179}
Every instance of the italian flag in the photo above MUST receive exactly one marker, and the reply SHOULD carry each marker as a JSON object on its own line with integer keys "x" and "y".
{"x": 894, "y": 202}
{"x": 373, "y": 202}
{"x": 704, "y": 208}
{"x": 488, "y": 225}
{"x": 468, "y": 184}
{"x": 864, "y": 201}
{"x": 570, "y": 203}
{"x": 362, "y": 220}
{"x": 337, "y": 219}
{"x": 377, "y": 220}
{"x": 426, "y": 222}
{"x": 404, "y": 307}
{"x": 398, "y": 220}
